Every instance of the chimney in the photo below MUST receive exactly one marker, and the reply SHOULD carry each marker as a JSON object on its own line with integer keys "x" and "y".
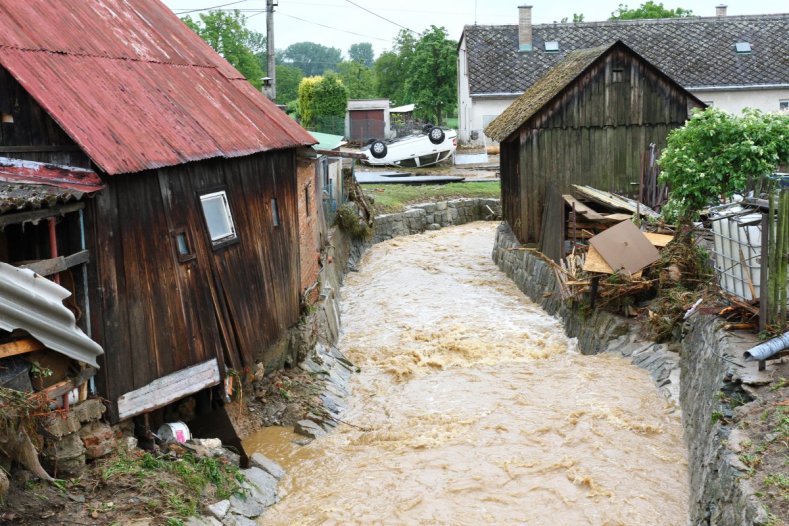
{"x": 720, "y": 10}
{"x": 524, "y": 28}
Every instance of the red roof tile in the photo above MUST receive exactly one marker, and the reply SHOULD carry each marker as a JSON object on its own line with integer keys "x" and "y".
{"x": 134, "y": 87}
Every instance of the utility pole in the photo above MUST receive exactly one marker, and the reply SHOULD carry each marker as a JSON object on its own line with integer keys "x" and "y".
{"x": 272, "y": 68}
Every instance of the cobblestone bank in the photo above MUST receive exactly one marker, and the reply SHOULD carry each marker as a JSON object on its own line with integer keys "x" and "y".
{"x": 434, "y": 216}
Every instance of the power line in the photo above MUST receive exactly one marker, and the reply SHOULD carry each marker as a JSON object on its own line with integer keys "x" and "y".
{"x": 212, "y": 7}
{"x": 381, "y": 17}
{"x": 330, "y": 27}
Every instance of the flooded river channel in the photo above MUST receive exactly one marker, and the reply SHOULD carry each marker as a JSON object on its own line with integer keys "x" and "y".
{"x": 472, "y": 407}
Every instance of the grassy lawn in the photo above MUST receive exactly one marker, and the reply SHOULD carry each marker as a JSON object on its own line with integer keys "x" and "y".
{"x": 392, "y": 198}
{"x": 452, "y": 122}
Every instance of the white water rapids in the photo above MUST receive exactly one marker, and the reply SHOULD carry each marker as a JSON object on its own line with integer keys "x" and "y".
{"x": 472, "y": 407}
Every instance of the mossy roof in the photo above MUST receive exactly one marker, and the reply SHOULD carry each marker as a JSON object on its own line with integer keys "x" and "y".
{"x": 543, "y": 91}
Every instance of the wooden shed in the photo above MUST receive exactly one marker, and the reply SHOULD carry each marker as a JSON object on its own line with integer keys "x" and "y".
{"x": 586, "y": 121}
{"x": 194, "y": 255}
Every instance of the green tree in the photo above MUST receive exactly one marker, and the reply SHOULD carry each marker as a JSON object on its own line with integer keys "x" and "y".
{"x": 322, "y": 103}
{"x": 648, "y": 9}
{"x": 717, "y": 154}
{"x": 577, "y": 17}
{"x": 359, "y": 79}
{"x": 362, "y": 53}
{"x": 227, "y": 33}
{"x": 288, "y": 79}
{"x": 311, "y": 58}
{"x": 391, "y": 68}
{"x": 431, "y": 81}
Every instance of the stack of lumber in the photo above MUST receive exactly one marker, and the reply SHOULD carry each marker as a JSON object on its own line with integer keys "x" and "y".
{"x": 593, "y": 211}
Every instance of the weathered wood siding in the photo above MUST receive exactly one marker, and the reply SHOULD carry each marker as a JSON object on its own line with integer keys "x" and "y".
{"x": 593, "y": 133}
{"x": 33, "y": 135}
{"x": 156, "y": 314}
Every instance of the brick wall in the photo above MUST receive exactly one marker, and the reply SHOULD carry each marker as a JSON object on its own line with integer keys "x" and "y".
{"x": 309, "y": 234}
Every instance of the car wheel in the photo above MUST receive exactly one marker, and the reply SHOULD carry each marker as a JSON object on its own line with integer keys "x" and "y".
{"x": 436, "y": 135}
{"x": 378, "y": 149}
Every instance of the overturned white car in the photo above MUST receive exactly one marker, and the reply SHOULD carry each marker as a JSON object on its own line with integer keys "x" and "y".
{"x": 424, "y": 149}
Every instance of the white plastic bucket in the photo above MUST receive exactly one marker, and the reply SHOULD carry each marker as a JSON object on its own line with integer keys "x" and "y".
{"x": 174, "y": 432}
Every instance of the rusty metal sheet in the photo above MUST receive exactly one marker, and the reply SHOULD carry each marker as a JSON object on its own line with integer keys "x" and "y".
{"x": 625, "y": 248}
{"x": 35, "y": 304}
{"x": 28, "y": 184}
{"x": 134, "y": 87}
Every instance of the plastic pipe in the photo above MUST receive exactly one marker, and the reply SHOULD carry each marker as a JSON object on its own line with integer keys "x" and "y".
{"x": 765, "y": 350}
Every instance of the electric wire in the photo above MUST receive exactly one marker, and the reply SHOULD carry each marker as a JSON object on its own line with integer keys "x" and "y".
{"x": 381, "y": 17}
{"x": 180, "y": 12}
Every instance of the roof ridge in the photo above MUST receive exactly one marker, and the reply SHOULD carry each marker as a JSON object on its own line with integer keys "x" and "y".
{"x": 643, "y": 21}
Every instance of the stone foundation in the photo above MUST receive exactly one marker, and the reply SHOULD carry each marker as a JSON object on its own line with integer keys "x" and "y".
{"x": 692, "y": 373}
{"x": 434, "y": 216}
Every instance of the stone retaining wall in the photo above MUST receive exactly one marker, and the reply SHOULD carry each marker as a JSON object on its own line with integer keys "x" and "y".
{"x": 434, "y": 216}
{"x": 692, "y": 373}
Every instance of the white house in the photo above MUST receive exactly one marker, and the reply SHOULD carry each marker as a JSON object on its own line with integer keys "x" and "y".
{"x": 731, "y": 62}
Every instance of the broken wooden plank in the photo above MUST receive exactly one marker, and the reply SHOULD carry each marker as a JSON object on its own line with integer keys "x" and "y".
{"x": 47, "y": 267}
{"x": 581, "y": 208}
{"x": 595, "y": 263}
{"x": 617, "y": 217}
{"x": 23, "y": 346}
{"x": 167, "y": 389}
{"x": 615, "y": 201}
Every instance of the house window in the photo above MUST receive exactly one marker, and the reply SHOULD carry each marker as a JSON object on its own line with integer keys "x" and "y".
{"x": 218, "y": 219}
{"x": 274, "y": 211}
{"x": 783, "y": 105}
{"x": 742, "y": 48}
{"x": 618, "y": 75}
{"x": 183, "y": 247}
{"x": 7, "y": 118}
{"x": 552, "y": 46}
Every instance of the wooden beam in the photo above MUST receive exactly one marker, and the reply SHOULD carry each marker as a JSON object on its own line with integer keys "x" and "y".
{"x": 47, "y": 267}
{"x": 23, "y": 346}
{"x": 37, "y": 215}
{"x": 582, "y": 209}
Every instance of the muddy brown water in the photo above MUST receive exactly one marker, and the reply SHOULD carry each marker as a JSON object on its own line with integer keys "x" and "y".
{"x": 472, "y": 407}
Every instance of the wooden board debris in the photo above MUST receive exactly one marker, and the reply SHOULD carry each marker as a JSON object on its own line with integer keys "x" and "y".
{"x": 23, "y": 346}
{"x": 581, "y": 208}
{"x": 614, "y": 201}
{"x": 658, "y": 240}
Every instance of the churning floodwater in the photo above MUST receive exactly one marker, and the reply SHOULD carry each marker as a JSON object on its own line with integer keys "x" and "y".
{"x": 472, "y": 407}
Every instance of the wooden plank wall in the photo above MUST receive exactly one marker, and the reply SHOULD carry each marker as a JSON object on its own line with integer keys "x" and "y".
{"x": 594, "y": 133}
{"x": 157, "y": 314}
{"x": 34, "y": 135}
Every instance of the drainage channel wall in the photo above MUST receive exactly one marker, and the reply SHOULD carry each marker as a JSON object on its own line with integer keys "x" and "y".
{"x": 692, "y": 373}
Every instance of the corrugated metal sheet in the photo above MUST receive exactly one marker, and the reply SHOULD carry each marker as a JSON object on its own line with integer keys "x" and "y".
{"x": 35, "y": 304}
{"x": 134, "y": 87}
{"x": 28, "y": 184}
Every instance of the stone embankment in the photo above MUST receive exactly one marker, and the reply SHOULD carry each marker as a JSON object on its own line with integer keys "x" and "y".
{"x": 693, "y": 373}
{"x": 434, "y": 216}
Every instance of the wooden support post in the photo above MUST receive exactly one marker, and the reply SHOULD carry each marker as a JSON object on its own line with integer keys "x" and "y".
{"x": 593, "y": 292}
{"x": 764, "y": 290}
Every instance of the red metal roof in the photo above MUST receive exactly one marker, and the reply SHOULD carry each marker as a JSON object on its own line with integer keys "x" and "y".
{"x": 135, "y": 87}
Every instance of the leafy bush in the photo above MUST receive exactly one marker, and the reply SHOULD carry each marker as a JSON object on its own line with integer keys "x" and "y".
{"x": 348, "y": 220}
{"x": 717, "y": 154}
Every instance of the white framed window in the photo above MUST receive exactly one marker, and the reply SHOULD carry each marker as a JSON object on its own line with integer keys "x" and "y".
{"x": 783, "y": 105}
{"x": 218, "y": 218}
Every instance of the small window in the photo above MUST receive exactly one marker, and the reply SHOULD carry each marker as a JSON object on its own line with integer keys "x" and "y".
{"x": 218, "y": 219}
{"x": 307, "y": 199}
{"x": 274, "y": 211}
{"x": 783, "y": 105}
{"x": 552, "y": 46}
{"x": 618, "y": 75}
{"x": 183, "y": 247}
{"x": 742, "y": 48}
{"x": 7, "y": 118}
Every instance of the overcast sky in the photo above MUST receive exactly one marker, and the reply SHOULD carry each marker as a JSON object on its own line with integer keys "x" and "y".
{"x": 305, "y": 20}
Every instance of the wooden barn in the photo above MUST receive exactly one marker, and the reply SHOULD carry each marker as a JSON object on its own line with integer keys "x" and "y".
{"x": 587, "y": 121}
{"x": 193, "y": 244}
